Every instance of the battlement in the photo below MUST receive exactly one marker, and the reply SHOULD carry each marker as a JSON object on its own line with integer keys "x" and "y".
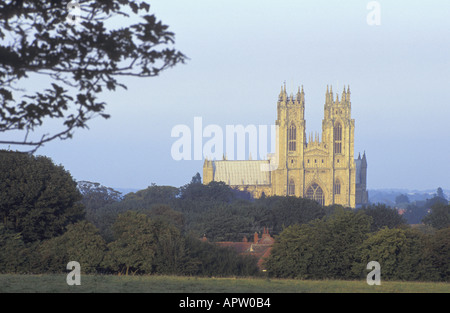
{"x": 292, "y": 99}
{"x": 331, "y": 101}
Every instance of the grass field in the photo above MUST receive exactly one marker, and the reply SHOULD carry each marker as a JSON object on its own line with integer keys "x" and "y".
{"x": 10, "y": 283}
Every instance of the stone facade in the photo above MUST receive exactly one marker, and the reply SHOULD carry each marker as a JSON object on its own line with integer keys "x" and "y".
{"x": 323, "y": 169}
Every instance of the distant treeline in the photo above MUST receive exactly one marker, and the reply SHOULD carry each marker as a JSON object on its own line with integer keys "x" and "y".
{"x": 47, "y": 220}
{"x": 415, "y": 211}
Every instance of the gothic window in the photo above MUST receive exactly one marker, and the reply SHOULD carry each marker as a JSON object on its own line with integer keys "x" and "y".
{"x": 338, "y": 138}
{"x": 291, "y": 188}
{"x": 314, "y": 192}
{"x": 337, "y": 187}
{"x": 292, "y": 138}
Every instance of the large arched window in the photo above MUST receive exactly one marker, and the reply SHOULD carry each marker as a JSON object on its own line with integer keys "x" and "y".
{"x": 337, "y": 187}
{"x": 292, "y": 138}
{"x": 314, "y": 192}
{"x": 337, "y": 138}
{"x": 291, "y": 188}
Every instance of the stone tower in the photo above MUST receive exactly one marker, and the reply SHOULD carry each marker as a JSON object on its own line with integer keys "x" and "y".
{"x": 338, "y": 133}
{"x": 291, "y": 142}
{"x": 321, "y": 169}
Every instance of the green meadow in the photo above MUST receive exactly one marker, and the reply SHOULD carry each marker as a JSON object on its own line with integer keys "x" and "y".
{"x": 11, "y": 283}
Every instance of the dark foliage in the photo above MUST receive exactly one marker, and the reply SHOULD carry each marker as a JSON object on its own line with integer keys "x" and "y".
{"x": 79, "y": 58}
{"x": 38, "y": 199}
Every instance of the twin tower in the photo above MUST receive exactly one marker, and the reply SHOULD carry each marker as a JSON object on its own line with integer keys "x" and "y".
{"x": 324, "y": 170}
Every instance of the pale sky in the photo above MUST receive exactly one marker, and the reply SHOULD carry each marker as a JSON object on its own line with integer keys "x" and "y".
{"x": 241, "y": 52}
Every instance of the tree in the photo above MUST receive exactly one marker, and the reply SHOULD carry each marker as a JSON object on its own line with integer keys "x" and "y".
{"x": 96, "y": 196}
{"x": 196, "y": 179}
{"x": 13, "y": 255}
{"x": 437, "y": 255}
{"x": 322, "y": 249}
{"x": 164, "y": 213}
{"x": 153, "y": 194}
{"x": 143, "y": 201}
{"x": 81, "y": 242}
{"x": 440, "y": 193}
{"x": 415, "y": 213}
{"x": 213, "y": 192}
{"x": 399, "y": 252}
{"x": 37, "y": 198}
{"x": 439, "y": 198}
{"x": 439, "y": 217}
{"x": 134, "y": 246}
{"x": 293, "y": 210}
{"x": 79, "y": 55}
{"x": 223, "y": 223}
{"x": 294, "y": 251}
{"x": 402, "y": 198}
{"x": 383, "y": 216}
{"x": 346, "y": 231}
{"x": 170, "y": 252}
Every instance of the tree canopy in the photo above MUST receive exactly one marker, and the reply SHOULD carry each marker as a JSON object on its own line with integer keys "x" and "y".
{"x": 37, "y": 198}
{"x": 79, "y": 58}
{"x": 439, "y": 217}
{"x": 383, "y": 216}
{"x": 323, "y": 248}
{"x": 158, "y": 230}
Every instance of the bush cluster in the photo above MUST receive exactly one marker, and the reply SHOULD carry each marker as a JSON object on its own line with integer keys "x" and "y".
{"x": 341, "y": 245}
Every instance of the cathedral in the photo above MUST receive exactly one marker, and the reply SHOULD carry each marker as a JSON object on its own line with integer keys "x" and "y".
{"x": 322, "y": 169}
